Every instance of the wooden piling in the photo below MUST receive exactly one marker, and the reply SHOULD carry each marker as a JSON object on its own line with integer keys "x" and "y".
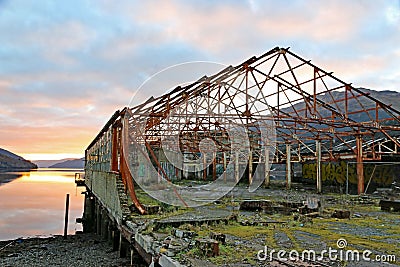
{"x": 66, "y": 216}
{"x": 123, "y": 246}
{"x": 115, "y": 239}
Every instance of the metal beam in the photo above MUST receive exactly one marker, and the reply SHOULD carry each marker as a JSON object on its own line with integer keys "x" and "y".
{"x": 360, "y": 165}
{"x": 318, "y": 156}
{"x": 288, "y": 167}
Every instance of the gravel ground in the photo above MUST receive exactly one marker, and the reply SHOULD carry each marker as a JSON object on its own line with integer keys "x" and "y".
{"x": 76, "y": 250}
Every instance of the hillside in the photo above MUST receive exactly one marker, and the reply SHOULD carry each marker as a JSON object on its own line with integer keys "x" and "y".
{"x": 9, "y": 160}
{"x": 71, "y": 164}
{"x": 388, "y": 97}
{"x": 49, "y": 162}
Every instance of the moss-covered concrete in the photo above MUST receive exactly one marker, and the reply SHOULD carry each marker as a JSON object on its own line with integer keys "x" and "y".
{"x": 249, "y": 231}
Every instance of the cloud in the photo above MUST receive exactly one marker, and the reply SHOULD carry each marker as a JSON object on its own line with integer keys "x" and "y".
{"x": 70, "y": 65}
{"x": 234, "y": 26}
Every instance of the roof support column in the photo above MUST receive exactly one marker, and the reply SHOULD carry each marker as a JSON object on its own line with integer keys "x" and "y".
{"x": 214, "y": 167}
{"x": 360, "y": 165}
{"x": 205, "y": 167}
{"x": 237, "y": 166}
{"x": 267, "y": 167}
{"x": 288, "y": 167}
{"x": 318, "y": 156}
{"x": 224, "y": 155}
{"x": 250, "y": 168}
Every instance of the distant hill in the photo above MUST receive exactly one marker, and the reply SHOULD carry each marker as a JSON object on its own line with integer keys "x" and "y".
{"x": 9, "y": 160}
{"x": 388, "y": 97}
{"x": 49, "y": 162}
{"x": 71, "y": 164}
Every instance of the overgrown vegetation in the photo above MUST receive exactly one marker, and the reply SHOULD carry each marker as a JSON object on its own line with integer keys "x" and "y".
{"x": 243, "y": 241}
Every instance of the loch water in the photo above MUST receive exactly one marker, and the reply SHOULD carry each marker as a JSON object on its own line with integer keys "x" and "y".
{"x": 32, "y": 203}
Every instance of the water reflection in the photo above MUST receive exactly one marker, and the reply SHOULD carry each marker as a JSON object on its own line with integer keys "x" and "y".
{"x": 33, "y": 203}
{"x": 6, "y": 177}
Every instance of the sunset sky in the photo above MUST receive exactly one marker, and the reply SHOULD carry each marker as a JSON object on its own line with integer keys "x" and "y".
{"x": 66, "y": 66}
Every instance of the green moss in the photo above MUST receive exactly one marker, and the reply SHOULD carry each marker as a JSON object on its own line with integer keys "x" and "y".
{"x": 238, "y": 230}
{"x": 145, "y": 199}
{"x": 375, "y": 243}
{"x": 233, "y": 254}
{"x": 372, "y": 217}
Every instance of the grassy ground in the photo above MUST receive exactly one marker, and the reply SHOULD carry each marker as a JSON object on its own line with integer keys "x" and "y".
{"x": 368, "y": 227}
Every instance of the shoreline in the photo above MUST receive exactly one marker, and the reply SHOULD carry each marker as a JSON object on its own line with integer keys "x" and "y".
{"x": 9, "y": 240}
{"x": 82, "y": 249}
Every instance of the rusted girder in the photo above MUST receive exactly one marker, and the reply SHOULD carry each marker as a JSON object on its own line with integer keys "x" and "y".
{"x": 321, "y": 116}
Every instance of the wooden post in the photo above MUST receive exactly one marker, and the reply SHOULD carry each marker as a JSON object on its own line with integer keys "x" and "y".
{"x": 88, "y": 214}
{"x": 66, "y": 216}
{"x": 104, "y": 225}
{"x": 115, "y": 239}
{"x": 98, "y": 218}
{"x": 123, "y": 246}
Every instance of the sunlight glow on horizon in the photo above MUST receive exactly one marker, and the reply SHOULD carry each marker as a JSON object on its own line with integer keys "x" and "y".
{"x": 40, "y": 177}
{"x": 56, "y": 156}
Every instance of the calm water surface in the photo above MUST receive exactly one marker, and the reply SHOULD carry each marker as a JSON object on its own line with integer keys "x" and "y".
{"x": 33, "y": 203}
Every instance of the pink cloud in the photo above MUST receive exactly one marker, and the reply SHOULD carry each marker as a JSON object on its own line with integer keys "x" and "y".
{"x": 224, "y": 26}
{"x": 351, "y": 69}
{"x": 73, "y": 74}
{"x": 42, "y": 139}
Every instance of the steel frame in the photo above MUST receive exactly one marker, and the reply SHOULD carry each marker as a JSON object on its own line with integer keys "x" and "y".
{"x": 300, "y": 97}
{"x": 320, "y": 116}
